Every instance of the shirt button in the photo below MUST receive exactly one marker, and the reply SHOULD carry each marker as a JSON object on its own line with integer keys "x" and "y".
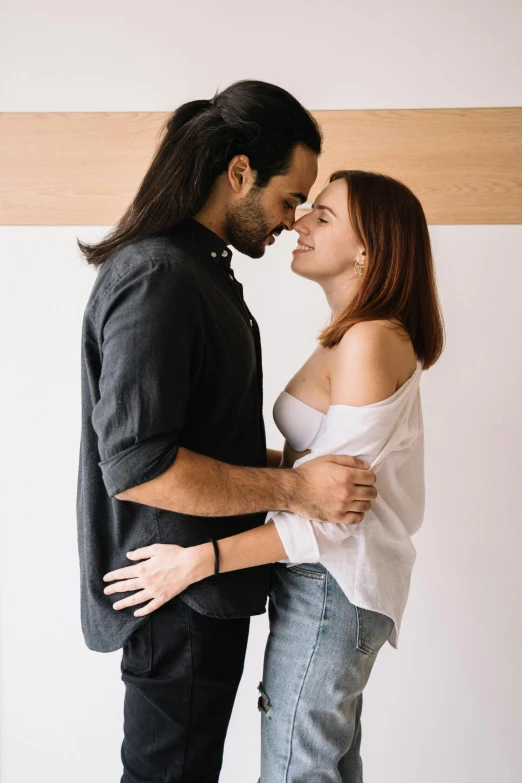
{"x": 224, "y": 253}
{"x": 213, "y": 254}
{"x": 231, "y": 277}
{"x": 251, "y": 322}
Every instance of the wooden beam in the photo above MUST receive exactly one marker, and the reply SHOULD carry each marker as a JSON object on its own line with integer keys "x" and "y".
{"x": 465, "y": 165}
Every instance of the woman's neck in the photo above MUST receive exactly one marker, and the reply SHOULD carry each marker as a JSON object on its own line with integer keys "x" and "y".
{"x": 339, "y": 295}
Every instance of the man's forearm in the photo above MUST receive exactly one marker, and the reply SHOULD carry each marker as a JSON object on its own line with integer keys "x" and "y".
{"x": 201, "y": 486}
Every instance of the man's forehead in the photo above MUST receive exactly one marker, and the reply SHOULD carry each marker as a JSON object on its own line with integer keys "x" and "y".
{"x": 302, "y": 174}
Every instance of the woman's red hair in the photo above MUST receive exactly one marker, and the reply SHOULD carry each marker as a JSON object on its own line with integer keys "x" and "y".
{"x": 399, "y": 278}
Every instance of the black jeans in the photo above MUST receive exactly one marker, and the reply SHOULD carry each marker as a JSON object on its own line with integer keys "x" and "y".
{"x": 181, "y": 671}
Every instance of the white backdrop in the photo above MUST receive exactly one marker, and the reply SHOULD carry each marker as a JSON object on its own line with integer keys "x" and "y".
{"x": 445, "y": 706}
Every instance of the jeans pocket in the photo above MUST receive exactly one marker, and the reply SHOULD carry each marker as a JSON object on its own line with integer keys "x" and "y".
{"x": 137, "y": 651}
{"x": 373, "y": 630}
{"x": 310, "y": 572}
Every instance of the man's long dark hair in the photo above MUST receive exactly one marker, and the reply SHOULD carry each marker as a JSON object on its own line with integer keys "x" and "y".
{"x": 252, "y": 118}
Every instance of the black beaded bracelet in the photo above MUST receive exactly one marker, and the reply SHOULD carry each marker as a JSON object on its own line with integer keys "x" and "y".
{"x": 216, "y": 554}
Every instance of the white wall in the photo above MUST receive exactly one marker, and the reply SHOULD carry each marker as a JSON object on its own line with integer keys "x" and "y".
{"x": 116, "y": 55}
{"x": 445, "y": 706}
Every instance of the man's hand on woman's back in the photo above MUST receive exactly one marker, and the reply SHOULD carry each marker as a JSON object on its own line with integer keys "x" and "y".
{"x": 334, "y": 489}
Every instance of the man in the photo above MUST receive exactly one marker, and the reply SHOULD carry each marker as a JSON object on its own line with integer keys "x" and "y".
{"x": 173, "y": 447}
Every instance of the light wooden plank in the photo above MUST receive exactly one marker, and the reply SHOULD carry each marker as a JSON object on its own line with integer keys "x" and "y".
{"x": 83, "y": 168}
{"x": 465, "y": 165}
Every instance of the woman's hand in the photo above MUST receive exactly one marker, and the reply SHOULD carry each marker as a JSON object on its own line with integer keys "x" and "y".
{"x": 165, "y": 572}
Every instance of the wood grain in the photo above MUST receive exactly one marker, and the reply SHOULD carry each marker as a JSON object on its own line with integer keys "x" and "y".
{"x": 465, "y": 165}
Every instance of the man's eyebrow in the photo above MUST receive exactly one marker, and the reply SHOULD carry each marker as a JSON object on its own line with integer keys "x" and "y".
{"x": 300, "y": 196}
{"x": 323, "y": 206}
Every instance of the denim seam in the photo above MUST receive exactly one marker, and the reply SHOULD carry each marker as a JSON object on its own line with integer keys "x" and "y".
{"x": 307, "y": 572}
{"x": 144, "y": 760}
{"x": 191, "y": 691}
{"x": 361, "y": 646}
{"x": 305, "y": 675}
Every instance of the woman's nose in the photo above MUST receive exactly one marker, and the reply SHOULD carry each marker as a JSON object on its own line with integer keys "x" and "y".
{"x": 300, "y": 226}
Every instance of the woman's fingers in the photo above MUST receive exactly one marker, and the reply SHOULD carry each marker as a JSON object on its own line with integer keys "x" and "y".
{"x": 132, "y": 600}
{"x": 123, "y": 587}
{"x": 149, "y": 608}
{"x": 155, "y": 579}
{"x": 129, "y": 572}
{"x": 141, "y": 554}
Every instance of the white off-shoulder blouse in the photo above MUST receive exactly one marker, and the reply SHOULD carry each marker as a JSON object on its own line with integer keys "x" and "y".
{"x": 372, "y": 561}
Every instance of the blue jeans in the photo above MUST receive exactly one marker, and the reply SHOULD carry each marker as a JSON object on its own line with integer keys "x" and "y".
{"x": 319, "y": 656}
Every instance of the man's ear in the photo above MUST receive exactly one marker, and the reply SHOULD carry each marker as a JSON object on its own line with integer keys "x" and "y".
{"x": 240, "y": 175}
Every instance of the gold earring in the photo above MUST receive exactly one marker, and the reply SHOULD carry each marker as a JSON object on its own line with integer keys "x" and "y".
{"x": 359, "y": 267}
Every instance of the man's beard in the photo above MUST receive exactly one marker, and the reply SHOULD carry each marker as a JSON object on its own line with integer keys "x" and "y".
{"x": 246, "y": 225}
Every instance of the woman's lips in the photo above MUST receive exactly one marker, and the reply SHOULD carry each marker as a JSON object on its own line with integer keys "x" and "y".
{"x": 301, "y": 248}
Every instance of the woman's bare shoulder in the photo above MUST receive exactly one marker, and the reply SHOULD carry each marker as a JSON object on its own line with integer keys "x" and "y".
{"x": 369, "y": 364}
{"x": 382, "y": 341}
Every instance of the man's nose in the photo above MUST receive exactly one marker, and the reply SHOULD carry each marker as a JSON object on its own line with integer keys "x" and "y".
{"x": 290, "y": 222}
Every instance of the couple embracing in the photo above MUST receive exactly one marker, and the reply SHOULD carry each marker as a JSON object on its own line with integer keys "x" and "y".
{"x": 186, "y": 522}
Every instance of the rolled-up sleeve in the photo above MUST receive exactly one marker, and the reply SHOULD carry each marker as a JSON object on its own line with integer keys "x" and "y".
{"x": 147, "y": 327}
{"x": 299, "y": 540}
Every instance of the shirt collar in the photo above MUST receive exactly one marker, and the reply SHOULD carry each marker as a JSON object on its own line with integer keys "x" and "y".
{"x": 212, "y": 245}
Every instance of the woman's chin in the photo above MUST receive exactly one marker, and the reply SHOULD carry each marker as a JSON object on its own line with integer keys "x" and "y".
{"x": 299, "y": 268}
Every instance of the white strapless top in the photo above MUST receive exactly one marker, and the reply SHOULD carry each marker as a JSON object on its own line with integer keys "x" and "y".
{"x": 297, "y": 422}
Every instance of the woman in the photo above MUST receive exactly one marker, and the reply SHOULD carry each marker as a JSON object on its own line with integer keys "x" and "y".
{"x": 342, "y": 597}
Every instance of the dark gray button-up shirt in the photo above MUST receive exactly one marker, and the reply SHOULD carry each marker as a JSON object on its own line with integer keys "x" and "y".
{"x": 171, "y": 356}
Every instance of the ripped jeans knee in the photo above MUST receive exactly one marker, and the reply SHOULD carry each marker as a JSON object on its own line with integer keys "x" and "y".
{"x": 263, "y": 703}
